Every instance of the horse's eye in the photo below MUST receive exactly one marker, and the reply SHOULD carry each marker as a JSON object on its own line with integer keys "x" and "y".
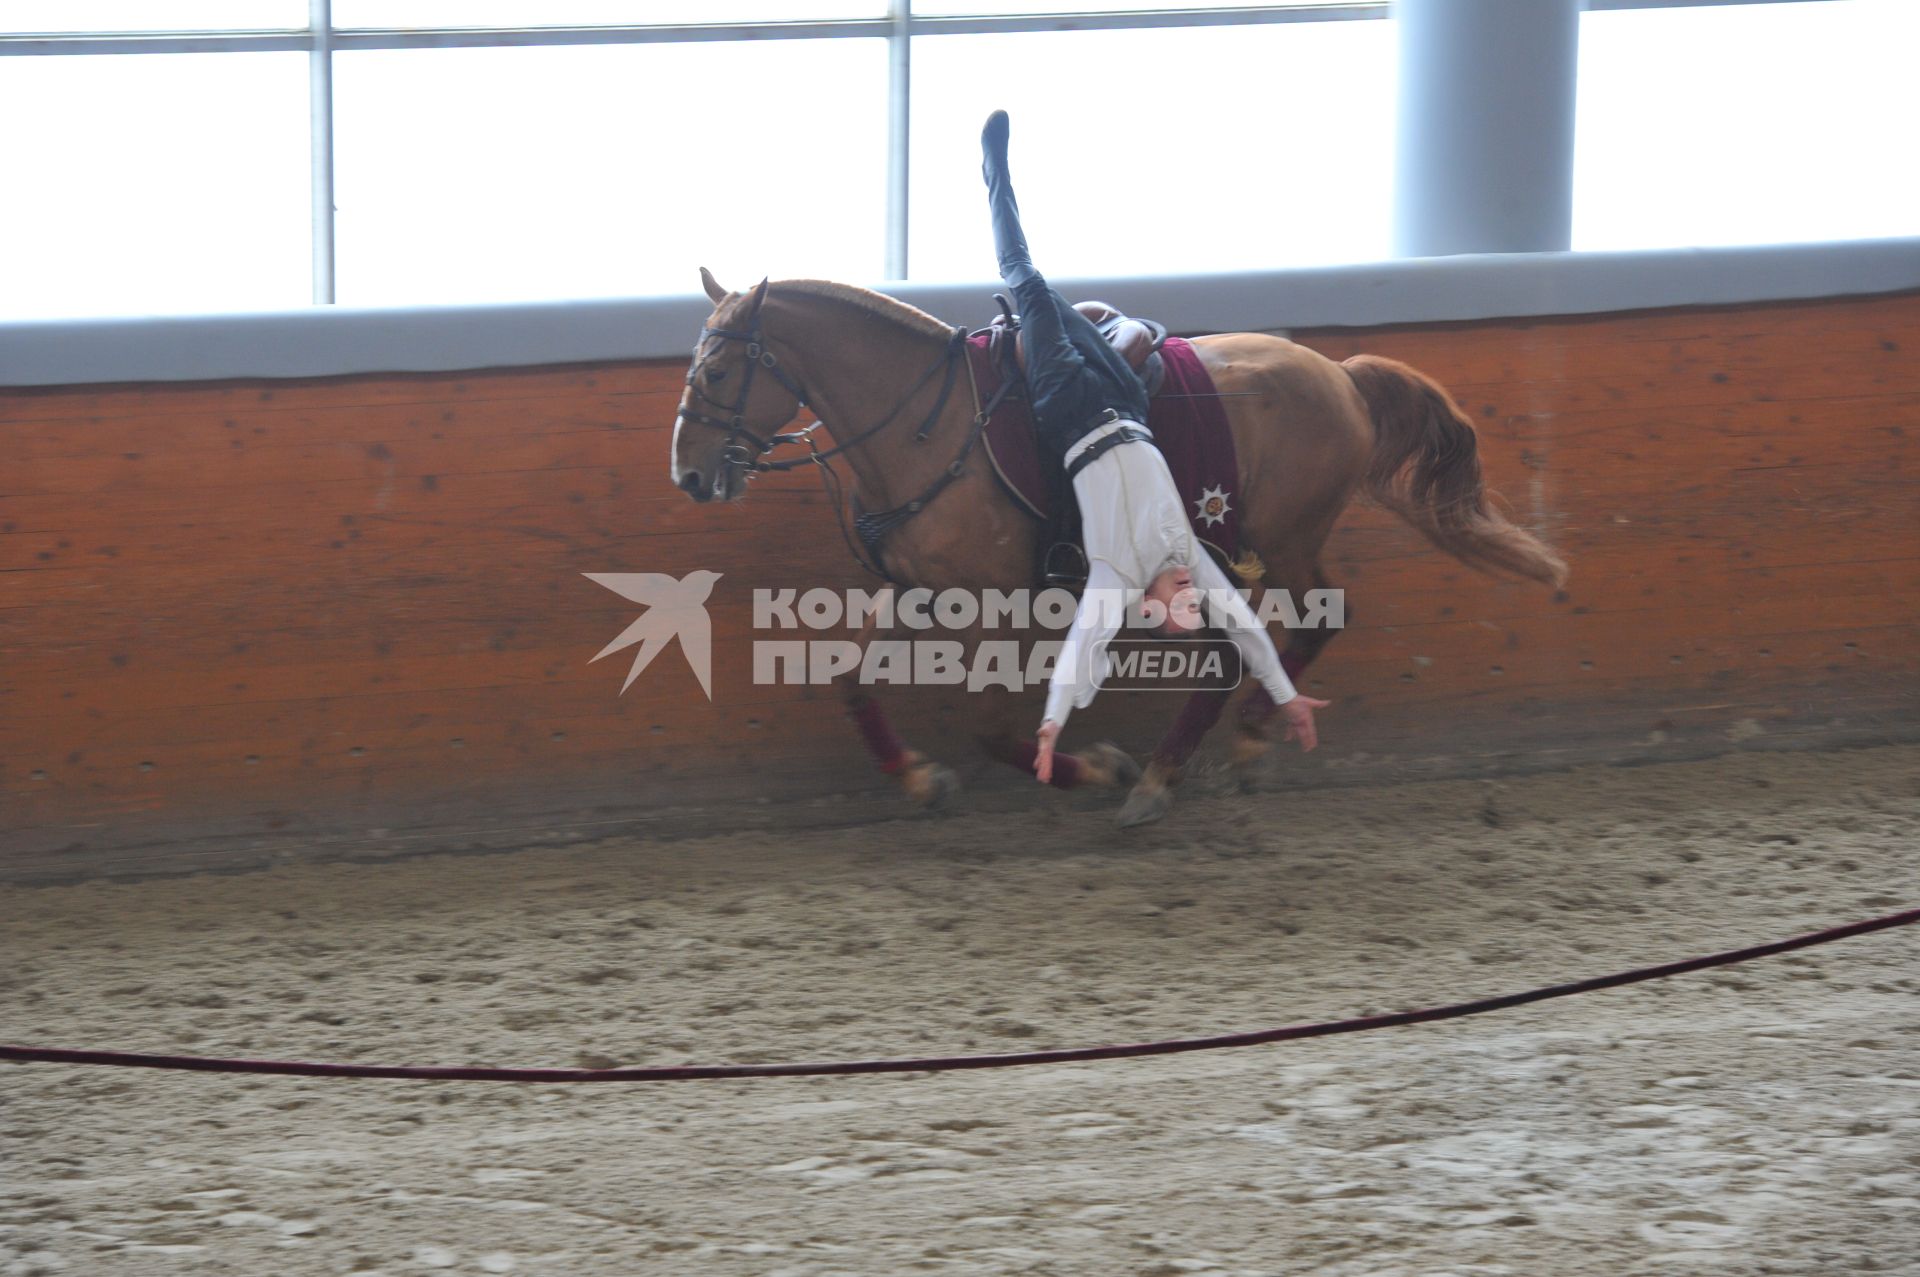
{"x": 716, "y": 375}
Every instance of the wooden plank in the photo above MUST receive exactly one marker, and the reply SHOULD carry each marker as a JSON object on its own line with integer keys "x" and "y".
{"x": 101, "y": 405}
{"x": 337, "y": 424}
{"x": 339, "y": 579}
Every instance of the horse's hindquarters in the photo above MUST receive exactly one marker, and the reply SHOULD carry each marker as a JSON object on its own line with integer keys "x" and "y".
{"x": 1302, "y": 433}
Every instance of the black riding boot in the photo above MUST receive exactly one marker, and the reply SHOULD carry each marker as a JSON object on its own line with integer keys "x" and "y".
{"x": 1009, "y": 241}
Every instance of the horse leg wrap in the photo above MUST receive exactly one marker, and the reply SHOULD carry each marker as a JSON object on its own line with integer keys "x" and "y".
{"x": 1068, "y": 771}
{"x": 886, "y": 748}
{"x": 1250, "y": 742}
{"x": 1197, "y": 717}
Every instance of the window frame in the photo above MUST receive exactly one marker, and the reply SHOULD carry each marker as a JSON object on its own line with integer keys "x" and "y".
{"x": 900, "y": 26}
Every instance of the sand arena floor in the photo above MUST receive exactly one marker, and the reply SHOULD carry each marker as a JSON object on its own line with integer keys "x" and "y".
{"x": 1762, "y": 1119}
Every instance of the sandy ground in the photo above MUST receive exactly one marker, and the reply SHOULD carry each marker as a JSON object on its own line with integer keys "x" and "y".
{"x": 1763, "y": 1119}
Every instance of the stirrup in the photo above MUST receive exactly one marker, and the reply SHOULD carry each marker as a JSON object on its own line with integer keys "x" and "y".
{"x": 1066, "y": 566}
{"x": 1007, "y": 319}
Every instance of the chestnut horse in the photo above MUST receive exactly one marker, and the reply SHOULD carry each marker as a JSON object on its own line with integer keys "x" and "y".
{"x": 880, "y": 375}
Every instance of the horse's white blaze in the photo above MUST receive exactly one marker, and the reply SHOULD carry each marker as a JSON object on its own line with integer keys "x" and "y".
{"x": 675, "y": 470}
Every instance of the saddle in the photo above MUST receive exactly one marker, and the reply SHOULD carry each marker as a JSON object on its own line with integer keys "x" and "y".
{"x": 1185, "y": 414}
{"x": 1138, "y": 340}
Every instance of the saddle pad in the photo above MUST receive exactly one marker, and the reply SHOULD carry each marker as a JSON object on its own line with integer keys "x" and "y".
{"x": 1189, "y": 426}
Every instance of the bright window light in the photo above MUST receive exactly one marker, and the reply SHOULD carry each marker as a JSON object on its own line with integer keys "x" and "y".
{"x": 41, "y": 17}
{"x": 1220, "y": 148}
{"x": 165, "y": 182}
{"x": 468, "y": 175}
{"x": 590, "y": 13}
{"x": 154, "y": 184}
{"x": 1001, "y": 8}
{"x": 1747, "y": 124}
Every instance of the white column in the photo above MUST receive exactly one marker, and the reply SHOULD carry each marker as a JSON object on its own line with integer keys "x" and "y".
{"x": 320, "y": 145}
{"x": 1485, "y": 141}
{"x": 899, "y": 133}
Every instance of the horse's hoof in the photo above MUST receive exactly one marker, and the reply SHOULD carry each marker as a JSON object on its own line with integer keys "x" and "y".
{"x": 1108, "y": 764}
{"x": 1144, "y": 806}
{"x": 1248, "y": 753}
{"x": 931, "y": 785}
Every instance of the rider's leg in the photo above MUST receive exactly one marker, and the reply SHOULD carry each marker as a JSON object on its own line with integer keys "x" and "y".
{"x": 1009, "y": 240}
{"x": 1044, "y": 313}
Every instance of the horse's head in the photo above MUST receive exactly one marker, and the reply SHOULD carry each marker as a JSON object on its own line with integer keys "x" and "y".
{"x": 737, "y": 398}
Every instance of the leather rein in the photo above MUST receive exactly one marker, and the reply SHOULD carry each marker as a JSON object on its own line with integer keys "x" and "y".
{"x": 746, "y": 449}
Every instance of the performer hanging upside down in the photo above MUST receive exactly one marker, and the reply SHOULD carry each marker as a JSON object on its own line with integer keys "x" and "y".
{"x": 1089, "y": 410}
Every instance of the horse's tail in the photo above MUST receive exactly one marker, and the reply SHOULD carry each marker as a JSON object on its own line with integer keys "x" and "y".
{"x": 1426, "y": 469}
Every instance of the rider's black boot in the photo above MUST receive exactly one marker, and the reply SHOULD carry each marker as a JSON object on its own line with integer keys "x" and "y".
{"x": 1009, "y": 241}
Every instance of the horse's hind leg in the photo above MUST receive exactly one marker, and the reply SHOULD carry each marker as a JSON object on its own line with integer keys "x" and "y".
{"x": 926, "y": 782}
{"x": 1152, "y": 796}
{"x": 1252, "y": 737}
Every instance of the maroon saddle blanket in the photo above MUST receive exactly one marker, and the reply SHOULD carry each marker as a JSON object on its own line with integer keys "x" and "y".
{"x": 1189, "y": 427}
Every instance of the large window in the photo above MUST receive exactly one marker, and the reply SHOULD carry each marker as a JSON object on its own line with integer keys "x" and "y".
{"x": 1140, "y": 152}
{"x": 581, "y": 171}
{"x": 560, "y": 13}
{"x": 1747, "y": 124}
{"x": 157, "y": 184}
{"x": 232, "y": 155}
{"x": 43, "y": 17}
{"x": 200, "y": 155}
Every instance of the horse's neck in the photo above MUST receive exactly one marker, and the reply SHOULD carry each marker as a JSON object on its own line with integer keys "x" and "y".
{"x": 858, "y": 367}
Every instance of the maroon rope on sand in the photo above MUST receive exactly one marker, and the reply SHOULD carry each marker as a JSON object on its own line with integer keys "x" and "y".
{"x": 938, "y": 1064}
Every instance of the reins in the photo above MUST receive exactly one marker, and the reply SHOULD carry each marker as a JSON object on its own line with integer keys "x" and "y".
{"x": 949, "y": 360}
{"x": 760, "y": 355}
{"x": 870, "y": 528}
{"x": 873, "y": 526}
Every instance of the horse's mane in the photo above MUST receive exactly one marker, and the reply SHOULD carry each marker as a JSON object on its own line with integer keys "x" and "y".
{"x": 873, "y": 303}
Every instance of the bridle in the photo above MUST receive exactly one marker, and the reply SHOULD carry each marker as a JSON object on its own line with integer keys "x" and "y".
{"x": 735, "y": 423}
{"x": 744, "y": 448}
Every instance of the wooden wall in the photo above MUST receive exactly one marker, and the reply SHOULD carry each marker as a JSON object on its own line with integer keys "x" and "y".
{"x": 255, "y": 619}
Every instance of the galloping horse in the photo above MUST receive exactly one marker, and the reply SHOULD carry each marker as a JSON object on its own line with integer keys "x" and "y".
{"x": 880, "y": 375}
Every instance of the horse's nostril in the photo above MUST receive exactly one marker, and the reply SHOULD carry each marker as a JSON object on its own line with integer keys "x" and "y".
{"x": 692, "y": 484}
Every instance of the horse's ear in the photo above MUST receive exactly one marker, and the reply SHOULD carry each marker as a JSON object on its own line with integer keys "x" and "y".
{"x": 715, "y": 293}
{"x": 759, "y": 297}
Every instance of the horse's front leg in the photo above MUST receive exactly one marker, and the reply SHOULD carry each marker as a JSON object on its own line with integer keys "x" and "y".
{"x": 1152, "y": 797}
{"x": 1002, "y": 736}
{"x": 1253, "y": 735}
{"x": 928, "y": 783}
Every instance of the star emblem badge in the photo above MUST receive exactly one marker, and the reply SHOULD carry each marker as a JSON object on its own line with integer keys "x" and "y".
{"x": 1211, "y": 506}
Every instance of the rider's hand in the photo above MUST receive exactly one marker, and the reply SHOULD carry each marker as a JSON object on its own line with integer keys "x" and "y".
{"x": 1043, "y": 761}
{"x": 1299, "y": 715}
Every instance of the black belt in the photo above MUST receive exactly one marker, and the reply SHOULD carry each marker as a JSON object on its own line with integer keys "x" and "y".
{"x": 1105, "y": 443}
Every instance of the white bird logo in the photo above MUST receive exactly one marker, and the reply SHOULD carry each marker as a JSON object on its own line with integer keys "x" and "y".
{"x": 676, "y": 608}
